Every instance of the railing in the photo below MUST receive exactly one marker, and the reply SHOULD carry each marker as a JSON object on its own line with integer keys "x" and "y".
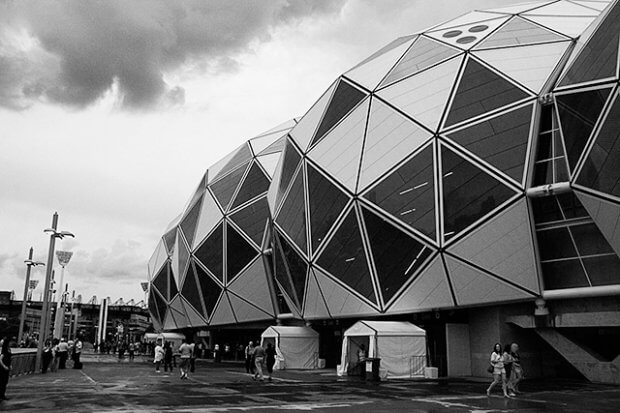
{"x": 416, "y": 365}
{"x": 23, "y": 361}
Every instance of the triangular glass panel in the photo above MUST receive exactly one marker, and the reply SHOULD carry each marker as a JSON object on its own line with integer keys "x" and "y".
{"x": 423, "y": 54}
{"x": 503, "y": 246}
{"x": 172, "y": 286}
{"x": 468, "y": 192}
{"x": 224, "y": 189}
{"x": 371, "y": 73}
{"x": 269, "y": 163}
{"x": 429, "y": 290}
{"x": 169, "y": 239}
{"x": 210, "y": 215}
{"x": 209, "y": 288}
{"x": 281, "y": 271}
{"x": 304, "y": 131}
{"x": 292, "y": 215}
{"x": 194, "y": 316}
{"x": 252, "y": 286}
{"x": 345, "y": 258}
{"x": 224, "y": 313}
{"x": 282, "y": 127}
{"x": 179, "y": 314}
{"x": 397, "y": 256}
{"x": 339, "y": 153}
{"x": 239, "y": 252}
{"x": 578, "y": 113}
{"x": 183, "y": 258}
{"x": 169, "y": 323}
{"x": 161, "y": 281}
{"x": 518, "y": 32}
{"x": 606, "y": 216}
{"x": 246, "y": 312}
{"x": 276, "y": 147}
{"x": 472, "y": 286}
{"x": 290, "y": 160}
{"x": 326, "y": 203}
{"x": 161, "y": 306}
{"x": 252, "y": 219}
{"x": 190, "y": 290}
{"x": 501, "y": 141}
{"x": 601, "y": 170}
{"x": 480, "y": 91}
{"x": 297, "y": 268}
{"x": 188, "y": 224}
{"x": 314, "y": 304}
{"x": 340, "y": 300}
{"x": 254, "y": 184}
{"x": 241, "y": 156}
{"x": 345, "y": 98}
{"x": 531, "y": 66}
{"x": 424, "y": 95}
{"x": 408, "y": 193}
{"x": 562, "y": 8}
{"x": 210, "y": 253}
{"x": 390, "y": 137}
{"x": 153, "y": 310}
{"x": 159, "y": 257}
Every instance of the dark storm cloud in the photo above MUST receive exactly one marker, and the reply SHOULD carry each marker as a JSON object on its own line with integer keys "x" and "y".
{"x": 83, "y": 48}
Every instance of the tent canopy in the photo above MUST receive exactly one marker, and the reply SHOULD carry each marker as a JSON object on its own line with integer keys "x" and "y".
{"x": 384, "y": 328}
{"x": 289, "y": 331}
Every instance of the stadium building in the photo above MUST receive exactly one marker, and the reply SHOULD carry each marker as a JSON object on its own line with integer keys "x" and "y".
{"x": 465, "y": 178}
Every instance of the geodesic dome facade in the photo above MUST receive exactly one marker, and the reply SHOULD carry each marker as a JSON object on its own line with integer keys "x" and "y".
{"x": 404, "y": 187}
{"x": 209, "y": 266}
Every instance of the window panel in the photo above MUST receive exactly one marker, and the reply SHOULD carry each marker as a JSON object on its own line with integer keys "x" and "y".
{"x": 211, "y": 254}
{"x": 292, "y": 216}
{"x": 254, "y": 184}
{"x": 564, "y": 274}
{"x": 555, "y": 243}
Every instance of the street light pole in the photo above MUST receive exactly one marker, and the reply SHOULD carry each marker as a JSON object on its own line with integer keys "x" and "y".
{"x": 46, "y": 303}
{"x": 29, "y": 265}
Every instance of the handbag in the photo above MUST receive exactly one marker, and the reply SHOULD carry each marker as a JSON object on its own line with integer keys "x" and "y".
{"x": 490, "y": 369}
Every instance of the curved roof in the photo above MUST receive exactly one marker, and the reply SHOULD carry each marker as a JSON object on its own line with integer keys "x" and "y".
{"x": 384, "y": 328}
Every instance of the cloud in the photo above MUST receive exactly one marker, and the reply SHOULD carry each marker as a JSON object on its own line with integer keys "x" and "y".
{"x": 73, "y": 52}
{"x": 121, "y": 263}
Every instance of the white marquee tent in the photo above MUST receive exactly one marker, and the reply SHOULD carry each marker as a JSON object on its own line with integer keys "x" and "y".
{"x": 296, "y": 347}
{"x": 400, "y": 345}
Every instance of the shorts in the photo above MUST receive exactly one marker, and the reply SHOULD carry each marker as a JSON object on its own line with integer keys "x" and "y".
{"x": 184, "y": 363}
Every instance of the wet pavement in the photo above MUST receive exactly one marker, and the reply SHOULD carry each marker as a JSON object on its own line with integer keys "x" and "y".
{"x": 106, "y": 385}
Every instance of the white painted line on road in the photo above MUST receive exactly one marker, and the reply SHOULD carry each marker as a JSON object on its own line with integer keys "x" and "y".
{"x": 90, "y": 379}
{"x": 296, "y": 407}
{"x": 272, "y": 378}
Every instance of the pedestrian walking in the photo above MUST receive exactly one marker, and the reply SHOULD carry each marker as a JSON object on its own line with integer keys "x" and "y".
{"x": 185, "y": 351}
{"x": 77, "y": 353}
{"x": 168, "y": 357}
{"x": 192, "y": 358}
{"x": 508, "y": 359}
{"x": 499, "y": 372}
{"x": 56, "y": 354}
{"x": 517, "y": 370}
{"x": 132, "y": 351}
{"x": 159, "y": 356}
{"x": 259, "y": 360}
{"x": 63, "y": 351}
{"x": 270, "y": 359}
{"x": 249, "y": 352}
{"x": 5, "y": 367}
{"x": 47, "y": 357}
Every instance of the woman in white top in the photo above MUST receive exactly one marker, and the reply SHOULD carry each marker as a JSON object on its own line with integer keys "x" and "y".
{"x": 499, "y": 372}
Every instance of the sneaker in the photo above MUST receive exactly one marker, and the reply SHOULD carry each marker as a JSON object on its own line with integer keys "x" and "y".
{"x": 488, "y": 392}
{"x": 511, "y": 394}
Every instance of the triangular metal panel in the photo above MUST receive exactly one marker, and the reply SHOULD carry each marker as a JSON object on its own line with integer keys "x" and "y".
{"x": 339, "y": 152}
{"x": 210, "y": 215}
{"x": 182, "y": 259}
{"x": 503, "y": 246}
{"x": 261, "y": 143}
{"x": 518, "y": 8}
{"x": 519, "y": 32}
{"x": 190, "y": 221}
{"x": 596, "y": 5}
{"x": 252, "y": 286}
{"x": 158, "y": 258}
{"x": 169, "y": 240}
{"x": 569, "y": 26}
{"x": 276, "y": 147}
{"x": 272, "y": 193}
{"x": 424, "y": 53}
{"x": 179, "y": 313}
{"x": 269, "y": 163}
{"x": 390, "y": 138}
{"x": 284, "y": 126}
{"x": 472, "y": 286}
{"x": 242, "y": 155}
{"x": 225, "y": 188}
{"x": 340, "y": 301}
{"x": 314, "y": 304}
{"x": 169, "y": 323}
{"x": 562, "y": 8}
{"x": 477, "y": 16}
{"x": 255, "y": 183}
{"x": 370, "y": 74}
{"x": 292, "y": 215}
{"x": 193, "y": 316}
{"x": 304, "y": 131}
{"x": 245, "y": 312}
{"x": 606, "y": 216}
{"x": 531, "y": 66}
{"x": 429, "y": 290}
{"x": 223, "y": 314}
{"x": 424, "y": 95}
{"x": 467, "y": 36}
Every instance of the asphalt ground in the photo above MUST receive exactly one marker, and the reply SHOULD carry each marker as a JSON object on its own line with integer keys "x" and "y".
{"x": 105, "y": 385}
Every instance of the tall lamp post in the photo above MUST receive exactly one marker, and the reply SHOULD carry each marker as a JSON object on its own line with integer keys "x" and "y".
{"x": 29, "y": 265}
{"x": 54, "y": 233}
{"x": 63, "y": 260}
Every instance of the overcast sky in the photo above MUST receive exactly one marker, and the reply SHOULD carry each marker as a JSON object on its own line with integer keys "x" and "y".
{"x": 110, "y": 111}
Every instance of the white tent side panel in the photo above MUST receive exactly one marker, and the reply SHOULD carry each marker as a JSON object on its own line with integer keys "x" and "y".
{"x": 296, "y": 347}
{"x": 402, "y": 356}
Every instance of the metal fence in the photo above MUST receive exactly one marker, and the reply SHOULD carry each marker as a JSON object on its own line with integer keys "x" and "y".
{"x": 416, "y": 365}
{"x": 23, "y": 361}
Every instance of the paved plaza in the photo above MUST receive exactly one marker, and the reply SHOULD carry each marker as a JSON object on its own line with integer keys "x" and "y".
{"x": 106, "y": 385}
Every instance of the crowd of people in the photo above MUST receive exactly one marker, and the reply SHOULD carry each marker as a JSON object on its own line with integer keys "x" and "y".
{"x": 257, "y": 358}
{"x": 57, "y": 352}
{"x": 506, "y": 369}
